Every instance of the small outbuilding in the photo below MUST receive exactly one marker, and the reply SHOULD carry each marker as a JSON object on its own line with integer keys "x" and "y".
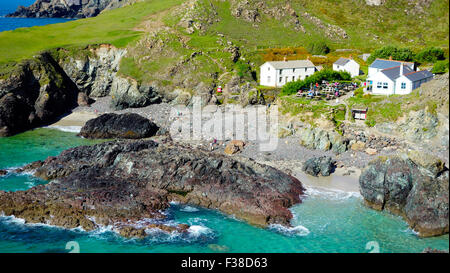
{"x": 359, "y": 113}
{"x": 348, "y": 65}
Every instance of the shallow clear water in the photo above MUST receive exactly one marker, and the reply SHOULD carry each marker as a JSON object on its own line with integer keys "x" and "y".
{"x": 326, "y": 221}
{"x": 8, "y": 6}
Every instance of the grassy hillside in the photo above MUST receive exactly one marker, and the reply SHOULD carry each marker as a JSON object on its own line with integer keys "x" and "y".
{"x": 115, "y": 27}
{"x": 180, "y": 44}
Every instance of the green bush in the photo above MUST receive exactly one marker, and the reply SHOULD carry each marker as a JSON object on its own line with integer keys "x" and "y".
{"x": 440, "y": 67}
{"x": 243, "y": 69}
{"x": 370, "y": 122}
{"x": 326, "y": 74}
{"x": 318, "y": 48}
{"x": 430, "y": 55}
{"x": 359, "y": 92}
{"x": 399, "y": 54}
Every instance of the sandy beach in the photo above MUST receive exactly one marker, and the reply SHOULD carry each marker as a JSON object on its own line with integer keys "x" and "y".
{"x": 74, "y": 121}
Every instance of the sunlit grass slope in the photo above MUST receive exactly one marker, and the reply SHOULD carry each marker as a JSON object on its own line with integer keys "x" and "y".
{"x": 114, "y": 26}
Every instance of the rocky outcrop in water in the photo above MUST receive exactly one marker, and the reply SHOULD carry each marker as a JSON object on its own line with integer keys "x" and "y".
{"x": 67, "y": 8}
{"x": 123, "y": 182}
{"x": 414, "y": 186}
{"x": 128, "y": 126}
{"x": 316, "y": 166}
{"x": 34, "y": 93}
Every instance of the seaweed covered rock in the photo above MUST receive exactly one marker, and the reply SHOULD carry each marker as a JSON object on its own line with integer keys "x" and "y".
{"x": 128, "y": 126}
{"x": 415, "y": 187}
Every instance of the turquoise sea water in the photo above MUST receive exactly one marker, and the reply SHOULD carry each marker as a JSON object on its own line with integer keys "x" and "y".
{"x": 8, "y": 6}
{"x": 326, "y": 221}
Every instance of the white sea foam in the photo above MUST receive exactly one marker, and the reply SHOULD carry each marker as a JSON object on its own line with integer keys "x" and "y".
{"x": 70, "y": 129}
{"x": 331, "y": 193}
{"x": 296, "y": 230}
{"x": 189, "y": 209}
{"x": 197, "y": 230}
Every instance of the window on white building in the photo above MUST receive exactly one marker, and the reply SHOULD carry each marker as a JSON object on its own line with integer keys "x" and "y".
{"x": 268, "y": 68}
{"x": 281, "y": 79}
{"x": 385, "y": 85}
{"x": 403, "y": 85}
{"x": 268, "y": 79}
{"x": 293, "y": 70}
{"x": 379, "y": 84}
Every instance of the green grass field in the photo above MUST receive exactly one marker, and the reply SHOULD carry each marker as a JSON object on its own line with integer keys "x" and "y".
{"x": 114, "y": 27}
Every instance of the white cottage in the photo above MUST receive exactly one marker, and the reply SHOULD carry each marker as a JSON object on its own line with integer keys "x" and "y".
{"x": 348, "y": 65}
{"x": 277, "y": 74}
{"x": 400, "y": 80}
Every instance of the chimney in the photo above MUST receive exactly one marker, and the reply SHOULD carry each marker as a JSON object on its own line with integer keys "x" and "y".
{"x": 350, "y": 57}
{"x": 401, "y": 69}
{"x": 390, "y": 58}
{"x": 285, "y": 59}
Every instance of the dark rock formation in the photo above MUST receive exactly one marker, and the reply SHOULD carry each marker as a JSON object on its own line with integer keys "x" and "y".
{"x": 414, "y": 186}
{"x": 35, "y": 92}
{"x": 67, "y": 8}
{"x": 3, "y": 172}
{"x": 119, "y": 183}
{"x": 128, "y": 126}
{"x": 431, "y": 250}
{"x": 324, "y": 166}
{"x": 127, "y": 93}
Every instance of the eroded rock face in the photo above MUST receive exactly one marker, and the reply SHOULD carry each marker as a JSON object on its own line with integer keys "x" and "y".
{"x": 125, "y": 181}
{"x": 127, "y": 93}
{"x": 414, "y": 187}
{"x": 35, "y": 93}
{"x": 67, "y": 8}
{"x": 128, "y": 126}
{"x": 93, "y": 71}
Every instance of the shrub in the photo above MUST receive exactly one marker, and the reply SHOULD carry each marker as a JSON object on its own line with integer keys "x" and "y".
{"x": 440, "y": 67}
{"x": 318, "y": 48}
{"x": 358, "y": 93}
{"x": 243, "y": 69}
{"x": 430, "y": 55}
{"x": 326, "y": 74}
{"x": 400, "y": 54}
{"x": 370, "y": 122}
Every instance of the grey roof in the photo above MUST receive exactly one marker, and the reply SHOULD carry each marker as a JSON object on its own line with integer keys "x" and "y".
{"x": 342, "y": 61}
{"x": 419, "y": 75}
{"x": 394, "y": 72}
{"x": 383, "y": 64}
{"x": 292, "y": 64}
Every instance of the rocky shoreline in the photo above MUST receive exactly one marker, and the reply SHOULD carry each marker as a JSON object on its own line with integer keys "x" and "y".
{"x": 67, "y": 8}
{"x": 413, "y": 185}
{"x": 122, "y": 182}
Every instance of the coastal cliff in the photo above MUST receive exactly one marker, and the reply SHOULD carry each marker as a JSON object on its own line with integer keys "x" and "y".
{"x": 34, "y": 93}
{"x": 121, "y": 182}
{"x": 37, "y": 91}
{"x": 67, "y": 8}
{"x": 414, "y": 186}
